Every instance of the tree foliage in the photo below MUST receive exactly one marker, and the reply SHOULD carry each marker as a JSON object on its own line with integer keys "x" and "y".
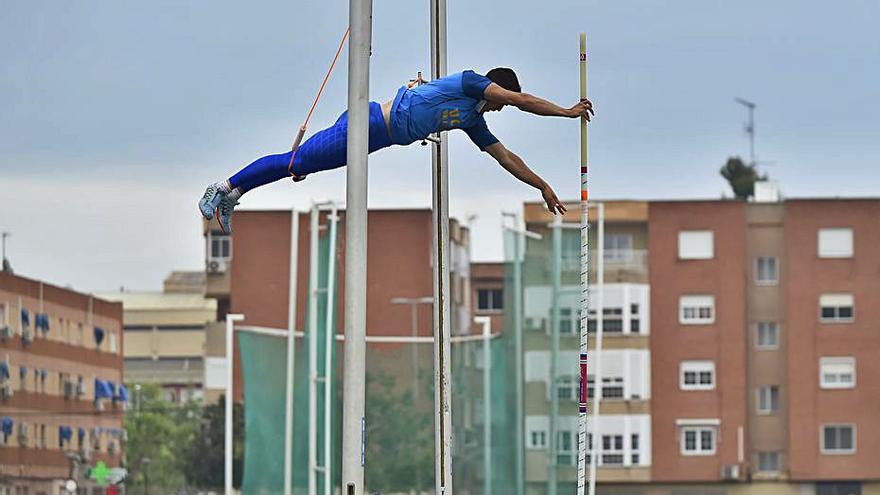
{"x": 741, "y": 177}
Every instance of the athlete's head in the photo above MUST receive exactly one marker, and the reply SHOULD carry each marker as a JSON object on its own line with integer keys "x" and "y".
{"x": 506, "y": 78}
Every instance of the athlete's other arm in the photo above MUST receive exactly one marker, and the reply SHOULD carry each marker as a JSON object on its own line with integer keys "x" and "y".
{"x": 533, "y": 104}
{"x": 518, "y": 168}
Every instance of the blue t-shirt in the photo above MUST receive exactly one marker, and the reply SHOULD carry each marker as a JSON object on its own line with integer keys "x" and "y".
{"x": 440, "y": 105}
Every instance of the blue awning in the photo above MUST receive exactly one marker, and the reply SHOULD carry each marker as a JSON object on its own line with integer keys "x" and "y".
{"x": 102, "y": 390}
{"x": 65, "y": 432}
{"x": 81, "y": 433}
{"x": 6, "y": 425}
{"x": 112, "y": 387}
{"x": 99, "y": 335}
{"x": 25, "y": 317}
{"x": 42, "y": 322}
{"x": 4, "y": 370}
{"x": 123, "y": 393}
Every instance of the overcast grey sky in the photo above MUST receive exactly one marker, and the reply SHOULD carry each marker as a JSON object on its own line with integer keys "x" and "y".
{"x": 115, "y": 115}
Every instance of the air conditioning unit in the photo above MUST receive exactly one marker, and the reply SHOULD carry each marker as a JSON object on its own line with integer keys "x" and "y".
{"x": 730, "y": 472}
{"x": 23, "y": 436}
{"x": 6, "y": 390}
{"x": 5, "y": 332}
{"x": 27, "y": 335}
{"x": 217, "y": 266}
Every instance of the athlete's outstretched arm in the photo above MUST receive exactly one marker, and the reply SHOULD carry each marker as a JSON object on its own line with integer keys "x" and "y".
{"x": 518, "y": 168}
{"x": 538, "y": 106}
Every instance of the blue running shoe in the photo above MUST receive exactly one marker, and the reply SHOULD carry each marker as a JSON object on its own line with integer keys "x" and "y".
{"x": 212, "y": 197}
{"x": 224, "y": 213}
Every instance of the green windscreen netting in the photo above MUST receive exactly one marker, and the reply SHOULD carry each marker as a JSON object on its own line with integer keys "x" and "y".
{"x": 400, "y": 396}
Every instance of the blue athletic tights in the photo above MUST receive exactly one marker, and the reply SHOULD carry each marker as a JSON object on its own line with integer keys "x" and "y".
{"x": 325, "y": 150}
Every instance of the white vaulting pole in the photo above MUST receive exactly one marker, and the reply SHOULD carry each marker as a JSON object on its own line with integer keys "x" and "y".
{"x": 355, "y": 310}
{"x": 597, "y": 353}
{"x": 585, "y": 286}
{"x": 227, "y": 437}
{"x": 440, "y": 208}
{"x": 291, "y": 347}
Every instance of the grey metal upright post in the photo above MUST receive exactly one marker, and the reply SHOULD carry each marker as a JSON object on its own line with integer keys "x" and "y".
{"x": 440, "y": 208}
{"x": 556, "y": 277}
{"x": 313, "y": 350}
{"x": 354, "y": 384}
{"x": 291, "y": 356}
{"x": 228, "y": 432}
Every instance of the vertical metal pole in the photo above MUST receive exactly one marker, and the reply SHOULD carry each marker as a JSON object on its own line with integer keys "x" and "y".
{"x": 354, "y": 385}
{"x": 487, "y": 403}
{"x": 556, "y": 275}
{"x": 414, "y": 325}
{"x": 597, "y": 359}
{"x": 227, "y": 437}
{"x": 440, "y": 207}
{"x": 585, "y": 285}
{"x": 313, "y": 350}
{"x": 291, "y": 348}
{"x": 330, "y": 339}
{"x": 519, "y": 240}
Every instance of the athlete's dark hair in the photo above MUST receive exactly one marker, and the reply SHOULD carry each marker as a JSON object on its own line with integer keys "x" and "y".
{"x": 504, "y": 77}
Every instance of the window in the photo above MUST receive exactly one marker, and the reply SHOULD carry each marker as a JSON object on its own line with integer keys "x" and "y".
{"x": 634, "y": 320}
{"x": 838, "y": 439}
{"x": 113, "y": 342}
{"x": 220, "y": 246}
{"x": 836, "y": 308}
{"x": 566, "y": 454}
{"x": 696, "y": 245}
{"x": 538, "y": 440}
{"x": 490, "y": 299}
{"x": 566, "y": 323}
{"x": 837, "y": 372}
{"x": 767, "y": 335}
{"x": 612, "y": 450}
{"x": 618, "y": 247}
{"x": 698, "y": 440}
{"x": 612, "y": 320}
{"x": 767, "y": 270}
{"x": 566, "y": 388}
{"x": 696, "y": 310}
{"x": 768, "y": 399}
{"x": 612, "y": 388}
{"x": 697, "y": 375}
{"x": 835, "y": 243}
{"x": 591, "y": 386}
{"x": 634, "y": 448}
{"x": 769, "y": 462}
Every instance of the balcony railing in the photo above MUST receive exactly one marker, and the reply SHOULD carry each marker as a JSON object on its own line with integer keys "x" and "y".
{"x": 633, "y": 260}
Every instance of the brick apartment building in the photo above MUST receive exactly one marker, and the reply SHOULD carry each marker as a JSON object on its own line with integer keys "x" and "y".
{"x": 61, "y": 392}
{"x": 760, "y": 331}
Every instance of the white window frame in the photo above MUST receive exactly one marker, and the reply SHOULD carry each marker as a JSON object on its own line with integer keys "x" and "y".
{"x": 614, "y": 450}
{"x": 618, "y": 253}
{"x": 540, "y": 435}
{"x": 228, "y": 239}
{"x": 696, "y": 244}
{"x": 613, "y": 382}
{"x": 837, "y": 300}
{"x": 827, "y": 236}
{"x": 766, "y": 347}
{"x": 572, "y": 453}
{"x": 768, "y": 281}
{"x": 839, "y": 362}
{"x": 764, "y": 397}
{"x": 567, "y": 382}
{"x": 697, "y": 367}
{"x": 490, "y": 299}
{"x": 698, "y": 302}
{"x": 826, "y": 451}
{"x": 698, "y": 431}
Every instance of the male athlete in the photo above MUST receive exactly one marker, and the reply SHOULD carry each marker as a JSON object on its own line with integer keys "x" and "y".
{"x": 457, "y": 101}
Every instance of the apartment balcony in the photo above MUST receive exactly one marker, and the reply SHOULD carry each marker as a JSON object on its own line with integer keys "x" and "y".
{"x": 621, "y": 265}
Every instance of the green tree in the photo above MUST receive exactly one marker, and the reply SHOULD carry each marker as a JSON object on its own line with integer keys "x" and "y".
{"x": 741, "y": 177}
{"x": 400, "y": 439}
{"x": 203, "y": 456}
{"x": 156, "y": 431}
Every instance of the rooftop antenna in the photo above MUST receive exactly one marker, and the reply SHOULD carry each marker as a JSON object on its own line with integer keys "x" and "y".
{"x": 750, "y": 127}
